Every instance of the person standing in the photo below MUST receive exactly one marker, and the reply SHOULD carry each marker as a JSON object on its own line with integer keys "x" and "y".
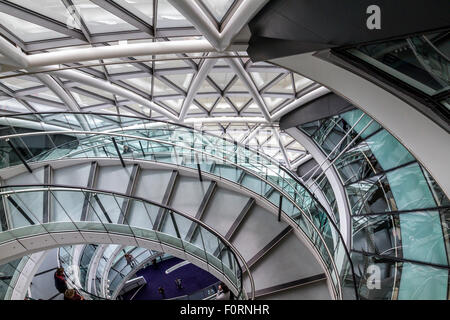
{"x": 178, "y": 283}
{"x": 162, "y": 292}
{"x": 60, "y": 280}
{"x": 72, "y": 295}
{"x": 130, "y": 260}
{"x": 223, "y": 293}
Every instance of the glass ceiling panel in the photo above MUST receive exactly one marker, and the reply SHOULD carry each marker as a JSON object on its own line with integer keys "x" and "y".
{"x": 285, "y": 85}
{"x": 83, "y": 100}
{"x": 239, "y": 102}
{"x": 221, "y": 78}
{"x": 181, "y": 80}
{"x": 301, "y": 82}
{"x": 27, "y": 31}
{"x": 100, "y": 92}
{"x": 169, "y": 17}
{"x": 166, "y": 64}
{"x": 273, "y": 103}
{"x": 43, "y": 108}
{"x": 263, "y": 78}
{"x": 206, "y": 87}
{"x": 48, "y": 95}
{"x": 174, "y": 104}
{"x": 10, "y": 104}
{"x": 218, "y": 8}
{"x": 223, "y": 106}
{"x": 206, "y": 102}
{"x": 99, "y": 20}
{"x": 17, "y": 83}
{"x": 143, "y": 9}
{"x": 54, "y": 9}
{"x": 119, "y": 68}
{"x": 238, "y": 86}
{"x": 193, "y": 109}
{"x": 143, "y": 84}
{"x": 160, "y": 88}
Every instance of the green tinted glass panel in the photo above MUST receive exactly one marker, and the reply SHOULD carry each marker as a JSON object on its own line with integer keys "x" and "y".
{"x": 423, "y": 283}
{"x": 388, "y": 151}
{"x": 410, "y": 189}
{"x": 422, "y": 237}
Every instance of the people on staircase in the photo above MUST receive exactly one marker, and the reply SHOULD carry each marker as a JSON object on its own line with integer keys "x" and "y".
{"x": 60, "y": 280}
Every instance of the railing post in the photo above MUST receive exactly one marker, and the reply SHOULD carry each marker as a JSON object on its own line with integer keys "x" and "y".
{"x": 16, "y": 151}
{"x": 279, "y": 207}
{"x": 118, "y": 152}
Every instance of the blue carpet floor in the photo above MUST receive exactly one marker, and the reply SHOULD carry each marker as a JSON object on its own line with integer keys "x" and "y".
{"x": 192, "y": 277}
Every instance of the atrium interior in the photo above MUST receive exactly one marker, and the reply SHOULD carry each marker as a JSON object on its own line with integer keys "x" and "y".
{"x": 224, "y": 149}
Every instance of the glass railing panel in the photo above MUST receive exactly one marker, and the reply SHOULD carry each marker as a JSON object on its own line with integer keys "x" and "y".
{"x": 67, "y": 205}
{"x": 194, "y": 250}
{"x": 139, "y": 215}
{"x": 145, "y": 233}
{"x": 228, "y": 172}
{"x": 171, "y": 240}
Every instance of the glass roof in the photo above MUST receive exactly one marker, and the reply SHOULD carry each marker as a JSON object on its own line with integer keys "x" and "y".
{"x": 167, "y": 81}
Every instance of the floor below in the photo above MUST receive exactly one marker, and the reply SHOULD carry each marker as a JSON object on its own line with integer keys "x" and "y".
{"x": 192, "y": 280}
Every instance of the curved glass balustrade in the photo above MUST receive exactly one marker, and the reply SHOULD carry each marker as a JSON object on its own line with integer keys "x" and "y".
{"x": 400, "y": 216}
{"x": 169, "y": 143}
{"x": 103, "y": 213}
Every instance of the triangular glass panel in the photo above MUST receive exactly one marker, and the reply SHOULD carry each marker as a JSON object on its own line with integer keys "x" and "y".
{"x": 53, "y": 9}
{"x": 285, "y": 85}
{"x": 160, "y": 88}
{"x": 261, "y": 79}
{"x": 98, "y": 20}
{"x": 27, "y": 31}
{"x": 218, "y": 9}
{"x": 239, "y": 102}
{"x": 169, "y": 17}
{"x": 174, "y": 104}
{"x": 273, "y": 103}
{"x": 143, "y": 9}
{"x": 10, "y": 104}
{"x": 206, "y": 102}
{"x": 143, "y": 84}
{"x": 238, "y": 86}
{"x": 193, "y": 109}
{"x": 301, "y": 82}
{"x": 206, "y": 87}
{"x": 222, "y": 79}
{"x": 223, "y": 107}
{"x": 181, "y": 80}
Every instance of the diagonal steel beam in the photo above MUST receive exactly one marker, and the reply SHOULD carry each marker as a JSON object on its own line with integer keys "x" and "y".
{"x": 202, "y": 21}
{"x": 238, "y": 68}
{"x": 283, "y": 150}
{"x": 195, "y": 85}
{"x": 61, "y": 93}
{"x": 13, "y": 54}
{"x": 107, "y": 86}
